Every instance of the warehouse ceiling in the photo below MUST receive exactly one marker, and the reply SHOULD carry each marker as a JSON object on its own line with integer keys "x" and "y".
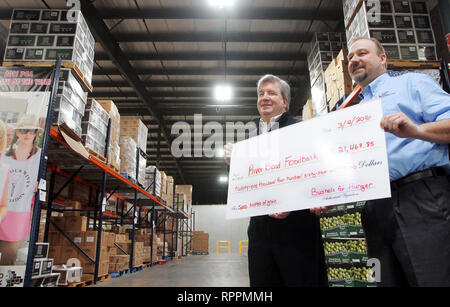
{"x": 160, "y": 60}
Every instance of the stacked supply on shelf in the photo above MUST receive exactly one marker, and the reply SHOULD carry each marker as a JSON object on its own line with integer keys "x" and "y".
{"x": 114, "y": 135}
{"x": 128, "y": 157}
{"x": 187, "y": 191}
{"x": 43, "y": 273}
{"x": 324, "y": 47}
{"x": 152, "y": 183}
{"x": 307, "y": 112}
{"x": 46, "y": 35}
{"x": 180, "y": 202}
{"x": 75, "y": 227}
{"x": 133, "y": 127}
{"x": 38, "y": 37}
{"x": 403, "y": 27}
{"x": 167, "y": 187}
{"x": 338, "y": 82}
{"x": 70, "y": 102}
{"x": 95, "y": 127}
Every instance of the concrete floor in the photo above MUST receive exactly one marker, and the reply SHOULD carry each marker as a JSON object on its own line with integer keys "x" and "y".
{"x": 213, "y": 270}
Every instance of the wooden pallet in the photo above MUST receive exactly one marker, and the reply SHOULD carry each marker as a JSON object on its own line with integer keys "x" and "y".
{"x": 114, "y": 168}
{"x": 104, "y": 277}
{"x": 74, "y": 285}
{"x": 65, "y": 64}
{"x": 95, "y": 154}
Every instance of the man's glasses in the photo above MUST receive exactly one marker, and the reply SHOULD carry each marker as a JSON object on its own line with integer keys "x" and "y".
{"x": 24, "y": 131}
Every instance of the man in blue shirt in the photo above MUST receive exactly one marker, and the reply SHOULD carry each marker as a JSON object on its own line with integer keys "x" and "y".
{"x": 410, "y": 232}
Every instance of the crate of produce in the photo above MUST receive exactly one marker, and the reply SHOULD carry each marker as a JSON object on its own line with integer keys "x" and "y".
{"x": 336, "y": 253}
{"x": 335, "y": 232}
{"x": 355, "y": 231}
{"x": 362, "y": 277}
{"x": 340, "y": 277}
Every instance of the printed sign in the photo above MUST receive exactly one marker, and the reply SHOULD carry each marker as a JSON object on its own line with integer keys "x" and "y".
{"x": 24, "y": 98}
{"x": 331, "y": 159}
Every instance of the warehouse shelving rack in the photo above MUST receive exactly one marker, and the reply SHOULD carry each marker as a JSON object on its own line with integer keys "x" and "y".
{"x": 61, "y": 159}
{"x": 66, "y": 162}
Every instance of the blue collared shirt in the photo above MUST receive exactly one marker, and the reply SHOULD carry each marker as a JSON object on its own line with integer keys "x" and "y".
{"x": 422, "y": 99}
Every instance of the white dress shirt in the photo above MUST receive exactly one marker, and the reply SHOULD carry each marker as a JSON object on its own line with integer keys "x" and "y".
{"x": 264, "y": 128}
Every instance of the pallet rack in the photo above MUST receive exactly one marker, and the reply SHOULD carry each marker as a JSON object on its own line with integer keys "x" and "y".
{"x": 60, "y": 159}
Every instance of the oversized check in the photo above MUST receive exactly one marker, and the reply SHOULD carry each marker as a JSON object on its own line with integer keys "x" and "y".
{"x": 332, "y": 159}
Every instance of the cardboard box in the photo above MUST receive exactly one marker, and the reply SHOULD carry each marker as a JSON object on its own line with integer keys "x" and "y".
{"x": 135, "y": 128}
{"x": 75, "y": 223}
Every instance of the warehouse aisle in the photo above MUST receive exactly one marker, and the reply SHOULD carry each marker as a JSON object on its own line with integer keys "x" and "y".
{"x": 213, "y": 270}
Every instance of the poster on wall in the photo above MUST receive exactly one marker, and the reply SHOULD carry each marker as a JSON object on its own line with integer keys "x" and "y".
{"x": 24, "y": 99}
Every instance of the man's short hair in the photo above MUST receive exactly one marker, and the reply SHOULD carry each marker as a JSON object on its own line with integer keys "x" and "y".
{"x": 284, "y": 86}
{"x": 380, "y": 48}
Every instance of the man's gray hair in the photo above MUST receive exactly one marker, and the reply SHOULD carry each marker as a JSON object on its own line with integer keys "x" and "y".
{"x": 284, "y": 86}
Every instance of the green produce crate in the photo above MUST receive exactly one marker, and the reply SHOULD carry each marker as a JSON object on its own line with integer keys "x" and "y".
{"x": 339, "y": 258}
{"x": 362, "y": 283}
{"x": 337, "y": 208}
{"x": 335, "y": 232}
{"x": 358, "y": 257}
{"x": 341, "y": 283}
{"x": 355, "y": 231}
{"x": 360, "y": 204}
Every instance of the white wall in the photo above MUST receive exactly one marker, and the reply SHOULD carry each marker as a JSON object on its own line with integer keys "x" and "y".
{"x": 211, "y": 219}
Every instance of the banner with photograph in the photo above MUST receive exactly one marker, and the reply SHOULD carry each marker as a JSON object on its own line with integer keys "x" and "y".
{"x": 24, "y": 99}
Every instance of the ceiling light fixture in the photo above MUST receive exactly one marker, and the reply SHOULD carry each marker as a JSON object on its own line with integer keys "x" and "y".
{"x": 223, "y": 179}
{"x": 222, "y": 92}
{"x": 221, "y": 3}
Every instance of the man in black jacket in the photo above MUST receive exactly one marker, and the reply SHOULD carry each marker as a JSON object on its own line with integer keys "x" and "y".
{"x": 285, "y": 249}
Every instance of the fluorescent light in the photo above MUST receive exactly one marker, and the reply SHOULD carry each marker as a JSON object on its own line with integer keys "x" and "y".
{"x": 223, "y": 179}
{"x": 221, "y": 3}
{"x": 222, "y": 92}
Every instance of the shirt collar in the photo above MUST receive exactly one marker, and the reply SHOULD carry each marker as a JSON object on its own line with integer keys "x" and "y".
{"x": 373, "y": 87}
{"x": 272, "y": 119}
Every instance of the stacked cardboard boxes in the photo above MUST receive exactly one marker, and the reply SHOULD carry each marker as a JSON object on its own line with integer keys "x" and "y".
{"x": 114, "y": 136}
{"x": 308, "y": 112}
{"x": 152, "y": 182}
{"x": 45, "y": 35}
{"x": 337, "y": 79}
{"x": 70, "y": 102}
{"x": 95, "y": 127}
{"x": 403, "y": 27}
{"x": 128, "y": 156}
{"x": 186, "y": 190}
{"x": 76, "y": 228}
{"x": 133, "y": 127}
{"x": 169, "y": 191}
{"x": 164, "y": 186}
{"x": 141, "y": 170}
{"x": 324, "y": 47}
{"x": 200, "y": 242}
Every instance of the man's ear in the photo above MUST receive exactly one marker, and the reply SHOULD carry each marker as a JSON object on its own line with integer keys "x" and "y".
{"x": 383, "y": 58}
{"x": 285, "y": 103}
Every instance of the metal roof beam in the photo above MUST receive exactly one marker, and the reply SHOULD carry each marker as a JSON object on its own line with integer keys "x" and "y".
{"x": 183, "y": 83}
{"x": 202, "y": 12}
{"x": 257, "y": 71}
{"x": 243, "y": 37}
{"x": 210, "y": 56}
